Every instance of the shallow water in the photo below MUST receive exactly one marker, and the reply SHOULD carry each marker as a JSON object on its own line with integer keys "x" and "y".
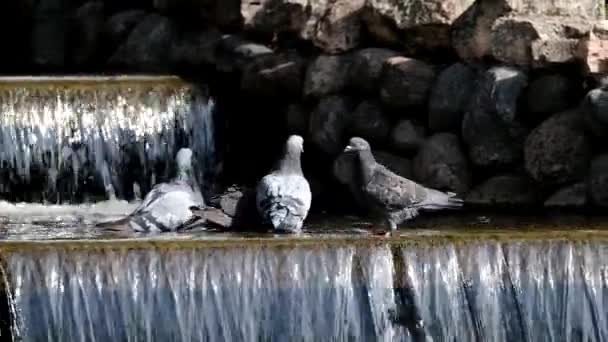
{"x": 465, "y": 277}
{"x": 326, "y": 290}
{"x": 38, "y": 222}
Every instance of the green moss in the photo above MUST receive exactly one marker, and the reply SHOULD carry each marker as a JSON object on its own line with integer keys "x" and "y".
{"x": 414, "y": 238}
{"x": 84, "y": 82}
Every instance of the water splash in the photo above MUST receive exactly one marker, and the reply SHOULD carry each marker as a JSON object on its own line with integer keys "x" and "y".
{"x": 486, "y": 291}
{"x": 79, "y": 139}
{"x": 201, "y": 295}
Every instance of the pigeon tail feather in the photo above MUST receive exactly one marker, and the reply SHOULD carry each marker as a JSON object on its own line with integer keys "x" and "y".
{"x": 282, "y": 217}
{"x": 437, "y": 200}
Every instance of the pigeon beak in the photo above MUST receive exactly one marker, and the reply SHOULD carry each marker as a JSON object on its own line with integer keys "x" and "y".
{"x": 349, "y": 148}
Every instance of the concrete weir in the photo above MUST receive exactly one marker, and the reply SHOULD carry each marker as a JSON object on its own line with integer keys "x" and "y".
{"x": 421, "y": 286}
{"x": 86, "y": 138}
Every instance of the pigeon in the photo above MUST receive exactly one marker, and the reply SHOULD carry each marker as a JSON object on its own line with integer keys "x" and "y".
{"x": 283, "y": 196}
{"x": 390, "y": 196}
{"x": 171, "y": 206}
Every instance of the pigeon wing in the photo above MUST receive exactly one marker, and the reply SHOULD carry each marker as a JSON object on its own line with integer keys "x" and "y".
{"x": 280, "y": 196}
{"x": 391, "y": 191}
{"x": 169, "y": 211}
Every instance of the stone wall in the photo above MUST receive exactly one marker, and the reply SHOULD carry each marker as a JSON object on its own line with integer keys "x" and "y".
{"x": 499, "y": 100}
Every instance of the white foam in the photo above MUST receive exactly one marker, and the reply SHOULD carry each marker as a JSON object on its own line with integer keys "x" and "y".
{"x": 33, "y": 212}
{"x": 105, "y": 134}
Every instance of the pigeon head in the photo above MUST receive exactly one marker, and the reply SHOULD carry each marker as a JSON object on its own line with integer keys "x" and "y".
{"x": 363, "y": 151}
{"x": 295, "y": 144}
{"x": 183, "y": 159}
{"x": 357, "y": 144}
{"x": 290, "y": 162}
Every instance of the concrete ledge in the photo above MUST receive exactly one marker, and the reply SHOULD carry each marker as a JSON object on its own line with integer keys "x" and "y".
{"x": 88, "y": 80}
{"x": 404, "y": 237}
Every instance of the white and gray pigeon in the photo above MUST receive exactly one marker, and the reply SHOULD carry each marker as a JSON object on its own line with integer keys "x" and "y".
{"x": 171, "y": 206}
{"x": 283, "y": 196}
{"x": 390, "y": 196}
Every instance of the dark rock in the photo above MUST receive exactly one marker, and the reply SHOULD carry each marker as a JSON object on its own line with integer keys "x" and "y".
{"x": 490, "y": 142}
{"x": 502, "y": 87}
{"x": 333, "y": 26}
{"x": 538, "y": 41}
{"x": 317, "y": 188}
{"x": 196, "y": 49}
{"x": 368, "y": 122}
{"x": 598, "y": 180}
{"x": 450, "y": 96}
{"x": 216, "y": 218}
{"x": 298, "y": 118}
{"x": 472, "y": 31}
{"x": 592, "y": 49}
{"x": 326, "y": 75}
{"x": 365, "y": 70}
{"x": 522, "y": 32}
{"x": 596, "y": 103}
{"x": 558, "y": 151}
{"x": 279, "y": 76}
{"x": 490, "y": 129}
{"x": 442, "y": 164}
{"x": 270, "y": 16}
{"x": 593, "y": 106}
{"x": 407, "y": 136}
{"x": 504, "y": 191}
{"x": 238, "y": 204}
{"x": 405, "y": 82}
{"x": 233, "y": 53}
{"x": 221, "y": 13}
{"x": 344, "y": 168}
{"x": 549, "y": 94}
{"x": 88, "y": 26}
{"x": 50, "y": 33}
{"x": 148, "y": 46}
{"x": 344, "y": 172}
{"x": 422, "y": 25}
{"x": 115, "y": 6}
{"x": 16, "y": 21}
{"x": 399, "y": 165}
{"x": 571, "y": 196}
{"x": 328, "y": 123}
{"x": 118, "y": 27}
{"x": 338, "y": 28}
{"x": 596, "y": 129}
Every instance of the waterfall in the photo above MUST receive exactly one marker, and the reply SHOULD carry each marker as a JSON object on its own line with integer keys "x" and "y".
{"x": 79, "y": 139}
{"x": 474, "y": 291}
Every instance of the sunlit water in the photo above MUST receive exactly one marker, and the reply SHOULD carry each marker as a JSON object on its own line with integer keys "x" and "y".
{"x": 100, "y": 142}
{"x": 486, "y": 291}
{"x": 314, "y": 287}
{"x": 82, "y": 139}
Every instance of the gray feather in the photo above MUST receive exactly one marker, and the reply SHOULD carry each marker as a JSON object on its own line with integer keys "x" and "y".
{"x": 283, "y": 197}
{"x": 167, "y": 207}
{"x": 391, "y": 196}
{"x": 170, "y": 206}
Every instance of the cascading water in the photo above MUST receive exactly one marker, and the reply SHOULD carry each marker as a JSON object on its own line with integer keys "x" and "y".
{"x": 80, "y": 139}
{"x": 478, "y": 291}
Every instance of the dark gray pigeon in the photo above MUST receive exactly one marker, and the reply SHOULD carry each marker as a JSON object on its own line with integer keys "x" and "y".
{"x": 392, "y": 197}
{"x": 171, "y": 206}
{"x": 283, "y": 196}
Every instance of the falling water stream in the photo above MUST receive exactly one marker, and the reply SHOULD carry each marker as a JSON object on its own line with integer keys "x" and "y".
{"x": 314, "y": 291}
{"x": 83, "y": 149}
{"x": 79, "y": 139}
